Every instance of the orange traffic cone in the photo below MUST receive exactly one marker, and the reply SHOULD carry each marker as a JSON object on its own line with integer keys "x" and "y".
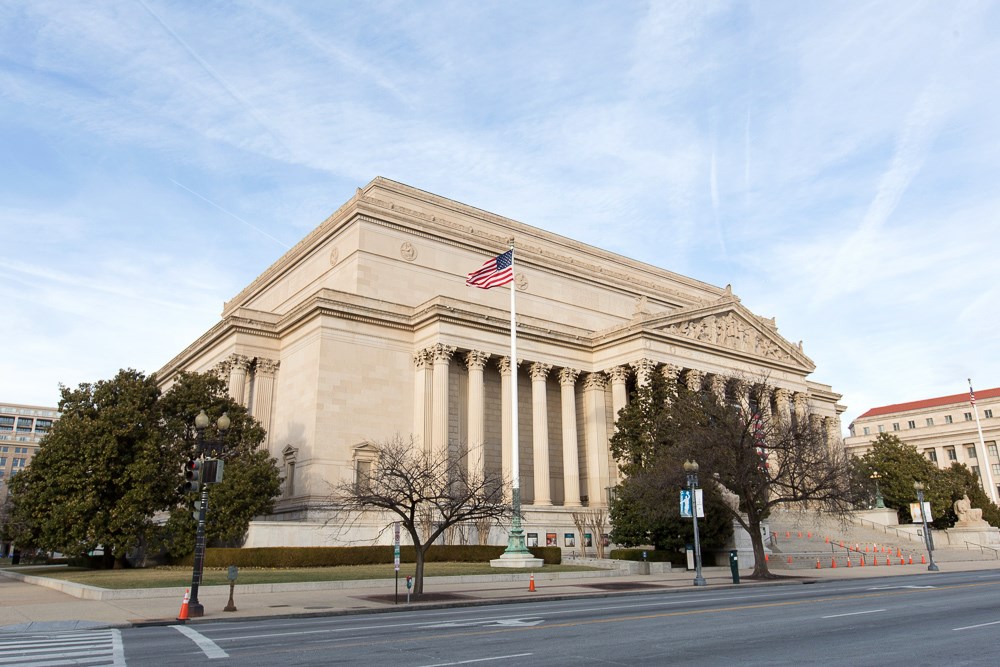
{"x": 874, "y": 560}
{"x": 183, "y": 615}
{"x": 827, "y": 538}
{"x": 887, "y": 561}
{"x": 902, "y": 561}
{"x": 923, "y": 561}
{"x": 848, "y": 561}
{"x": 911, "y": 559}
{"x": 866, "y": 548}
{"x": 767, "y": 558}
{"x": 818, "y": 566}
{"x": 809, "y": 535}
{"x": 862, "y": 561}
{"x": 800, "y": 533}
{"x": 842, "y": 544}
{"x": 531, "y": 583}
{"x": 833, "y": 563}
{"x": 789, "y": 560}
{"x": 787, "y": 534}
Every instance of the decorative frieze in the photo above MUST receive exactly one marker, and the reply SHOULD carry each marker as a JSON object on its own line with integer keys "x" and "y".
{"x": 731, "y": 332}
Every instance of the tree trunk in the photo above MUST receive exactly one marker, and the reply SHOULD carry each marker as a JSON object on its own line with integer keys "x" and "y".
{"x": 418, "y": 574}
{"x": 108, "y": 560}
{"x": 760, "y": 569}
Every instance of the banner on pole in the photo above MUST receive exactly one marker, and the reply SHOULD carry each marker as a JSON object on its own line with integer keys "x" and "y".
{"x": 686, "y": 503}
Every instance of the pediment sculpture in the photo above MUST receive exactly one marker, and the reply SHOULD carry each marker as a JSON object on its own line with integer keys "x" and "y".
{"x": 728, "y": 330}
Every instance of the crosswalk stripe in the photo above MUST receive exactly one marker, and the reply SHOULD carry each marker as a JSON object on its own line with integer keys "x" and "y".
{"x": 103, "y": 648}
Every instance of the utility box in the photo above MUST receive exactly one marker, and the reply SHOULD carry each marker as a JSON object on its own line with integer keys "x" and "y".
{"x": 690, "y": 557}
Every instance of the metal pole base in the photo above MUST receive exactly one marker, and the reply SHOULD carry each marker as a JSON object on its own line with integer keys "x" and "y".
{"x": 700, "y": 581}
{"x": 196, "y": 610}
{"x": 933, "y": 567}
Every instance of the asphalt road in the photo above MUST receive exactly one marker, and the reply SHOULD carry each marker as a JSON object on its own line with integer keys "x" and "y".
{"x": 947, "y": 618}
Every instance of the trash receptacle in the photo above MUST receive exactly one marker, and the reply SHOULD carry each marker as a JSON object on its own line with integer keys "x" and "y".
{"x": 690, "y": 557}
{"x": 734, "y": 565}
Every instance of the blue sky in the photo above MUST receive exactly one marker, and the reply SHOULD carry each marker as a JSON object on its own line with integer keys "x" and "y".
{"x": 836, "y": 162}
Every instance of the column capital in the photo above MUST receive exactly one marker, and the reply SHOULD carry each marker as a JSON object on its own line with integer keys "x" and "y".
{"x": 540, "y": 371}
{"x": 568, "y": 376}
{"x": 503, "y": 363}
{"x": 671, "y": 371}
{"x": 643, "y": 368}
{"x": 267, "y": 366}
{"x": 422, "y": 358}
{"x": 476, "y": 360}
{"x": 442, "y": 352}
{"x": 692, "y": 379}
{"x": 618, "y": 374}
{"x": 595, "y": 381}
{"x": 239, "y": 361}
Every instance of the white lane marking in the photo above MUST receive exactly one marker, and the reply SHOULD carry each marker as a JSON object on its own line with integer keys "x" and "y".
{"x": 981, "y": 625}
{"x": 518, "y": 622}
{"x": 855, "y": 613}
{"x": 469, "y": 662}
{"x": 208, "y": 647}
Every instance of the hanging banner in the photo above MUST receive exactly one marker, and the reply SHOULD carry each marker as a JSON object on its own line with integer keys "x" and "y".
{"x": 686, "y": 503}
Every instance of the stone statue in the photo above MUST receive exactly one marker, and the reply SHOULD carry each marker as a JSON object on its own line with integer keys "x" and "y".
{"x": 968, "y": 516}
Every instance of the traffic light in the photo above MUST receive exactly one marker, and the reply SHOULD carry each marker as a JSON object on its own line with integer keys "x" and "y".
{"x": 192, "y": 473}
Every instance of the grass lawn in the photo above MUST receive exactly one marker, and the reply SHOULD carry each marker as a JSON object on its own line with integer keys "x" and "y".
{"x": 162, "y": 577}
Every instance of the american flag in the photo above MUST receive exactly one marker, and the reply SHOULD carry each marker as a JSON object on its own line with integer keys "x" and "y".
{"x": 494, "y": 272}
{"x": 972, "y": 397}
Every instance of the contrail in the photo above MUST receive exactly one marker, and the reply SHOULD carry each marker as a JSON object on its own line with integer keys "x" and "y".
{"x": 230, "y": 213}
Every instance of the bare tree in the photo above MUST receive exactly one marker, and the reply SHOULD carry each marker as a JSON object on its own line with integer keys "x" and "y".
{"x": 429, "y": 492}
{"x": 598, "y": 520}
{"x": 483, "y": 526}
{"x": 766, "y": 458}
{"x": 582, "y": 521}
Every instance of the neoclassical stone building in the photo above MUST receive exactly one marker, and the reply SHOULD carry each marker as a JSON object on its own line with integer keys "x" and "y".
{"x": 366, "y": 329}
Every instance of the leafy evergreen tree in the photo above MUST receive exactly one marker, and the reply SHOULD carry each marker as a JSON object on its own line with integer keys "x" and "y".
{"x": 645, "y": 508}
{"x": 899, "y": 465}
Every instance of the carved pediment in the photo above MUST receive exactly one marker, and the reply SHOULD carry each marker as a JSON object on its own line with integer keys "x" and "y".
{"x": 727, "y": 324}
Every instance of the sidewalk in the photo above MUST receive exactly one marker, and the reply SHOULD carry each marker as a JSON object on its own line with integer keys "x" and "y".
{"x": 31, "y": 607}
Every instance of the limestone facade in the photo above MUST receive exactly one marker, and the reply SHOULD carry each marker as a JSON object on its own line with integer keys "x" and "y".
{"x": 366, "y": 329}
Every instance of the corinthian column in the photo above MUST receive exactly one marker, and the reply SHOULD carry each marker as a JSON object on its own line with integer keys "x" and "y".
{"x": 571, "y": 456}
{"x": 507, "y": 375}
{"x": 476, "y": 461}
{"x": 421, "y": 390}
{"x": 692, "y": 379}
{"x": 540, "y": 433}
{"x": 781, "y": 403}
{"x": 596, "y": 437}
{"x": 619, "y": 395}
{"x": 439, "y": 411}
{"x": 239, "y": 365}
{"x": 264, "y": 394}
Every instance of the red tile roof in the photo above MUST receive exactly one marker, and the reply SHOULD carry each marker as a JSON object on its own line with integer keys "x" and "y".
{"x": 931, "y": 402}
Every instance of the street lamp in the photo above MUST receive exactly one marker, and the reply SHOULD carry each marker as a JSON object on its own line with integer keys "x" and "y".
{"x": 203, "y": 445}
{"x": 691, "y": 470}
{"x": 879, "y": 502}
{"x": 919, "y": 487}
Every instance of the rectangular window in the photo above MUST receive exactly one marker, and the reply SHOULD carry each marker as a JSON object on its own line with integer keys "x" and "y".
{"x": 3, "y": 461}
{"x": 947, "y": 419}
{"x": 975, "y": 471}
{"x": 867, "y": 432}
{"x": 24, "y": 424}
{"x": 952, "y": 454}
{"x": 6, "y": 423}
{"x": 968, "y": 416}
{"x": 881, "y": 428}
{"x": 988, "y": 414}
{"x": 996, "y": 469}
{"x": 895, "y": 426}
{"x": 17, "y": 463}
{"x": 971, "y": 449}
{"x": 43, "y": 425}
{"x": 930, "y": 421}
{"x": 991, "y": 447}
{"x": 911, "y": 424}
{"x": 931, "y": 454}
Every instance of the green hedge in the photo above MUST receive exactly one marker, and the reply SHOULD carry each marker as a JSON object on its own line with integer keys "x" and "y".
{"x": 652, "y": 556}
{"x": 288, "y": 557}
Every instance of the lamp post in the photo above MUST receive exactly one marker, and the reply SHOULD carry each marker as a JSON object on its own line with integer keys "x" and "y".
{"x": 691, "y": 470}
{"x": 879, "y": 502}
{"x": 211, "y": 445}
{"x": 919, "y": 487}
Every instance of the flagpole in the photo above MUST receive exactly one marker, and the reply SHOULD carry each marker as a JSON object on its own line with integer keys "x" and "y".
{"x": 991, "y": 489}
{"x": 516, "y": 546}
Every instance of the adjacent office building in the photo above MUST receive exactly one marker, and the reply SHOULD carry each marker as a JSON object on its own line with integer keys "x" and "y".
{"x": 946, "y": 429}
